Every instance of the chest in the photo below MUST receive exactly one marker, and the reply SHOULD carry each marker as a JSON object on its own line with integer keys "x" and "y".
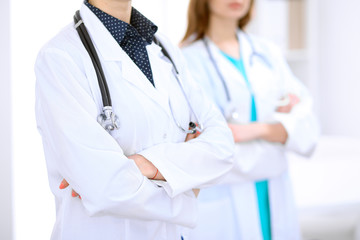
{"x": 147, "y": 115}
{"x": 260, "y": 82}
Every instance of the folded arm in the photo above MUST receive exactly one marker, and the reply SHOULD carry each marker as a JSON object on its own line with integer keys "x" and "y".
{"x": 88, "y": 157}
{"x": 202, "y": 161}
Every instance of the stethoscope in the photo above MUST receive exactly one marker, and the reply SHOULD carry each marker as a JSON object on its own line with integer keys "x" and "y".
{"x": 108, "y": 119}
{"x": 230, "y": 112}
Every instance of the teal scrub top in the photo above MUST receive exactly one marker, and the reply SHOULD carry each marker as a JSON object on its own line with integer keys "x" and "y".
{"x": 262, "y": 188}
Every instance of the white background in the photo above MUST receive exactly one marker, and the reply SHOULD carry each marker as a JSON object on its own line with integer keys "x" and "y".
{"x": 5, "y": 122}
{"x": 335, "y": 50}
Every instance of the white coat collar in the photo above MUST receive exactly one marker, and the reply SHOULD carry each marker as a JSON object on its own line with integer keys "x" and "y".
{"x": 103, "y": 41}
{"x": 110, "y": 51}
{"x": 246, "y": 49}
{"x": 251, "y": 50}
{"x": 223, "y": 64}
{"x": 102, "y": 38}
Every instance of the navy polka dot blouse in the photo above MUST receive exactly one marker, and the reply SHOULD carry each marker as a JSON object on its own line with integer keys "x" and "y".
{"x": 132, "y": 38}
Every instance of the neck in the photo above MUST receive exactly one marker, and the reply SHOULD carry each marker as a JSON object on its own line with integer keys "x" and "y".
{"x": 223, "y": 33}
{"x": 222, "y": 29}
{"x": 120, "y": 9}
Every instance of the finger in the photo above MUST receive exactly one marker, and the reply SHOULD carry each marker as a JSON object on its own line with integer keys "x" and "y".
{"x": 196, "y": 191}
{"x": 287, "y": 108}
{"x": 284, "y": 109}
{"x": 280, "y": 109}
{"x": 197, "y": 134}
{"x": 74, "y": 194}
{"x": 294, "y": 99}
{"x": 189, "y": 136}
{"x": 63, "y": 184}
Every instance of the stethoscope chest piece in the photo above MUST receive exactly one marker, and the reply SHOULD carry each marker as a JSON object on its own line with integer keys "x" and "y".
{"x": 234, "y": 117}
{"x": 231, "y": 114}
{"x": 108, "y": 120}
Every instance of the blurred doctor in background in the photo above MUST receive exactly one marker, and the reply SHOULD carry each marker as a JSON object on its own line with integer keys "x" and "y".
{"x": 269, "y": 112}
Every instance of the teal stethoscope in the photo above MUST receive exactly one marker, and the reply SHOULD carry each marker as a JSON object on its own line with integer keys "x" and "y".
{"x": 108, "y": 119}
{"x": 230, "y": 112}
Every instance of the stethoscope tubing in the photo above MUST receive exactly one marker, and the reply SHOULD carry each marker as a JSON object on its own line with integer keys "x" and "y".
{"x": 108, "y": 119}
{"x": 212, "y": 59}
{"x": 216, "y": 67}
{"x": 192, "y": 125}
{"x": 84, "y": 36}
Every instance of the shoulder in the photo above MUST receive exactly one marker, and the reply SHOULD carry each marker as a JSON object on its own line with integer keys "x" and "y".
{"x": 195, "y": 53}
{"x": 196, "y": 47}
{"x": 63, "y": 57}
{"x": 262, "y": 44}
{"x": 65, "y": 43}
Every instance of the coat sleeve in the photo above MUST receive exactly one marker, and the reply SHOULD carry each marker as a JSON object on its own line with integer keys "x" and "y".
{"x": 256, "y": 160}
{"x": 260, "y": 159}
{"x": 79, "y": 150}
{"x": 301, "y": 123}
{"x": 202, "y": 161}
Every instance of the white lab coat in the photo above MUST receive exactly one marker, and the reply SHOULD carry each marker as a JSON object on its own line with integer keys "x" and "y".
{"x": 118, "y": 202}
{"x": 230, "y": 211}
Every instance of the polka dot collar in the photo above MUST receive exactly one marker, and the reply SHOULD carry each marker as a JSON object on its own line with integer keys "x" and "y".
{"x": 139, "y": 24}
{"x": 132, "y": 37}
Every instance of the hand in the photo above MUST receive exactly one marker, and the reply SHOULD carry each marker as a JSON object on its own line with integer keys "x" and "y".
{"x": 191, "y": 136}
{"x": 293, "y": 100}
{"x": 64, "y": 184}
{"x": 146, "y": 167}
{"x": 274, "y": 132}
{"x": 196, "y": 192}
{"x": 246, "y": 132}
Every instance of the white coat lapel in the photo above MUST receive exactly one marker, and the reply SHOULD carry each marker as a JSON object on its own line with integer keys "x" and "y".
{"x": 255, "y": 62}
{"x": 105, "y": 44}
{"x": 110, "y": 51}
{"x": 245, "y": 50}
{"x": 136, "y": 77}
{"x": 227, "y": 70}
{"x": 160, "y": 66}
{"x": 255, "y": 58}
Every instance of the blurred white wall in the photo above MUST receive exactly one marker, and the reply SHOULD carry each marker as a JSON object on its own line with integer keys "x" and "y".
{"x": 339, "y": 66}
{"x": 6, "y": 218}
{"x": 33, "y": 23}
{"x": 329, "y": 61}
{"x": 168, "y": 15}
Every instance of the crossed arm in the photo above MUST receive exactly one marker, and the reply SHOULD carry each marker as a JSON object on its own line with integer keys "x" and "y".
{"x": 145, "y": 166}
{"x": 271, "y": 132}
